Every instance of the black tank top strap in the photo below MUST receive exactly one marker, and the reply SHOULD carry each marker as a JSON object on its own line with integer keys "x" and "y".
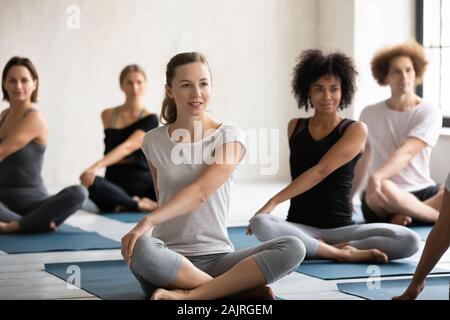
{"x": 4, "y": 117}
{"x": 299, "y": 126}
{"x": 344, "y": 124}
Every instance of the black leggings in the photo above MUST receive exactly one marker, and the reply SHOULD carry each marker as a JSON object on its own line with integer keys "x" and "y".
{"x": 120, "y": 185}
{"x": 33, "y": 209}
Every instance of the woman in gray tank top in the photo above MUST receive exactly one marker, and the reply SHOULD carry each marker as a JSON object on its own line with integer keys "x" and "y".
{"x": 25, "y": 205}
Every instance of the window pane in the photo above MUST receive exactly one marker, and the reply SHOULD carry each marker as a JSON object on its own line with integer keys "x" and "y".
{"x": 431, "y": 82}
{"x": 431, "y": 22}
{"x": 446, "y": 23}
{"x": 445, "y": 78}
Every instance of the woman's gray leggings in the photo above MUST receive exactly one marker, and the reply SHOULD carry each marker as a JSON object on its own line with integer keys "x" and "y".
{"x": 155, "y": 265}
{"x": 34, "y": 209}
{"x": 395, "y": 241}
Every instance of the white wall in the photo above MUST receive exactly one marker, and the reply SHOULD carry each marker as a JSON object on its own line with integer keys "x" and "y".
{"x": 251, "y": 46}
{"x": 378, "y": 23}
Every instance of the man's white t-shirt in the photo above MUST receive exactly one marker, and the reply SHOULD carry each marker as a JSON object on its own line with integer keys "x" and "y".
{"x": 389, "y": 129}
{"x": 202, "y": 231}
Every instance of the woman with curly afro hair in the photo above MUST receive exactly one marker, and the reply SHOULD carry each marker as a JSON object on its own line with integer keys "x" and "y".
{"x": 324, "y": 151}
{"x": 402, "y": 131}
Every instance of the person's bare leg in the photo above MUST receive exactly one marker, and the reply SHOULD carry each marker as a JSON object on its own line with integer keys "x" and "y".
{"x": 403, "y": 203}
{"x": 9, "y": 227}
{"x": 343, "y": 252}
{"x": 246, "y": 275}
{"x": 379, "y": 209}
{"x": 13, "y": 227}
{"x": 436, "y": 201}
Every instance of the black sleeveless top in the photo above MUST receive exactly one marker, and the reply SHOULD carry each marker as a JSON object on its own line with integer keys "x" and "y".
{"x": 114, "y": 137}
{"x": 329, "y": 203}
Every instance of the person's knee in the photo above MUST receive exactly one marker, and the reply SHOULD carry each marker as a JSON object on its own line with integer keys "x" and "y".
{"x": 259, "y": 225}
{"x": 410, "y": 243}
{"x": 295, "y": 252}
{"x": 142, "y": 251}
{"x": 391, "y": 192}
{"x": 413, "y": 242}
{"x": 153, "y": 261}
{"x": 78, "y": 194}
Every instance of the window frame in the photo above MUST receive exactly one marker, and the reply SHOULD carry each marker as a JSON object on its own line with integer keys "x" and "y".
{"x": 419, "y": 37}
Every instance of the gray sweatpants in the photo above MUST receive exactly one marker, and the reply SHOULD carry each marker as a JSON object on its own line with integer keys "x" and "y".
{"x": 155, "y": 265}
{"x": 395, "y": 241}
{"x": 33, "y": 208}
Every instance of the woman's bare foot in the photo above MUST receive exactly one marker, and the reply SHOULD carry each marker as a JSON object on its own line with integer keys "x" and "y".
{"x": 146, "y": 204}
{"x": 258, "y": 293}
{"x": 401, "y": 220}
{"x": 163, "y": 294}
{"x": 9, "y": 227}
{"x": 351, "y": 254}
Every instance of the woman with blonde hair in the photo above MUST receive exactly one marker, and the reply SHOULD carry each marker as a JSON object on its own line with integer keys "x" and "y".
{"x": 127, "y": 185}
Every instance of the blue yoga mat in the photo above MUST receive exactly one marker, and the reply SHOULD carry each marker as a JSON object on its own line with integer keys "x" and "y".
{"x": 437, "y": 288}
{"x": 423, "y": 231}
{"x": 127, "y": 217}
{"x": 240, "y": 240}
{"x": 110, "y": 280}
{"x": 330, "y": 270}
{"x": 66, "y": 238}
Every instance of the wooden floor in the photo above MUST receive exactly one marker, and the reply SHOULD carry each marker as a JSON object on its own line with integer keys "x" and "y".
{"x": 22, "y": 276}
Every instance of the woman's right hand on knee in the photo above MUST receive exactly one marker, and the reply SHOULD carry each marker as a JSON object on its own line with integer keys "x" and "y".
{"x": 266, "y": 209}
{"x": 129, "y": 240}
{"x": 87, "y": 177}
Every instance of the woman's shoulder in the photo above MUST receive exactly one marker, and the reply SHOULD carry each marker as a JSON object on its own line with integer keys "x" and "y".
{"x": 356, "y": 125}
{"x": 156, "y": 133}
{"x": 33, "y": 115}
{"x": 107, "y": 114}
{"x": 229, "y": 133}
{"x": 230, "y": 130}
{"x": 148, "y": 113}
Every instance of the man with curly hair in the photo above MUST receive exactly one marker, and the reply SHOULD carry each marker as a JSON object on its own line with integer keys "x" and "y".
{"x": 402, "y": 131}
